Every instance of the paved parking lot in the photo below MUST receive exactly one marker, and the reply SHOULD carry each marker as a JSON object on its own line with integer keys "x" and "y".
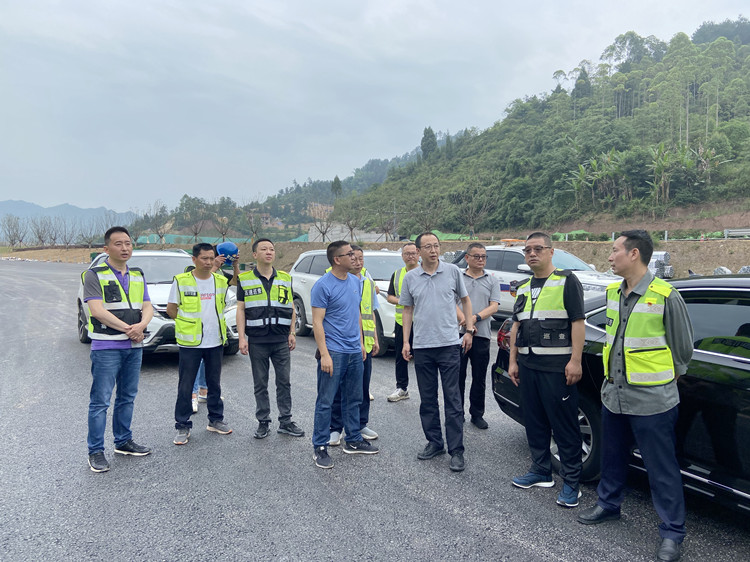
{"x": 233, "y": 497}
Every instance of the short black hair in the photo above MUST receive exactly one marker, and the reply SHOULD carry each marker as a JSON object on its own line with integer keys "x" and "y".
{"x": 418, "y": 241}
{"x": 202, "y": 247}
{"x": 542, "y": 235}
{"x": 639, "y": 239}
{"x": 357, "y": 248}
{"x": 475, "y": 245}
{"x": 111, "y": 231}
{"x": 333, "y": 248}
{"x": 259, "y": 240}
{"x": 408, "y": 244}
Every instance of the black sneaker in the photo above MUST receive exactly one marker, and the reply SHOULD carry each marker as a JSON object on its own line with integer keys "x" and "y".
{"x": 360, "y": 448}
{"x": 291, "y": 428}
{"x": 132, "y": 448}
{"x": 262, "y": 432}
{"x": 431, "y": 450}
{"x": 98, "y": 462}
{"x": 321, "y": 458}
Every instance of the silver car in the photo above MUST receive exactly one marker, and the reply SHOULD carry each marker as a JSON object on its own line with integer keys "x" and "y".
{"x": 380, "y": 265}
{"x": 159, "y": 267}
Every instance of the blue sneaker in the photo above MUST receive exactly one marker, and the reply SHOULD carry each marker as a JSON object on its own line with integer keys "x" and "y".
{"x": 569, "y": 496}
{"x": 531, "y": 479}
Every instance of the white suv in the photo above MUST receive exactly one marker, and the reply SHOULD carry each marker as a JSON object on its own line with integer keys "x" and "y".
{"x": 380, "y": 265}
{"x": 508, "y": 266}
{"x": 159, "y": 267}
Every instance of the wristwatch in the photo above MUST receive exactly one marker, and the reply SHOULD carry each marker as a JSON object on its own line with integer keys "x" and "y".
{"x": 477, "y": 317}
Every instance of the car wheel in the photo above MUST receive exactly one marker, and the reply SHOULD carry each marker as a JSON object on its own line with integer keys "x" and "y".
{"x": 83, "y": 326}
{"x": 590, "y": 422}
{"x": 379, "y": 331}
{"x": 232, "y": 347}
{"x": 300, "y": 322}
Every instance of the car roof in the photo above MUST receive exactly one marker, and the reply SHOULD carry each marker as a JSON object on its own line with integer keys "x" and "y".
{"x": 147, "y": 253}
{"x": 365, "y": 252}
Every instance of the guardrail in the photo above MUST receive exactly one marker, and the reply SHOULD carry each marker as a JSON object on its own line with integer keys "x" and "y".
{"x": 736, "y": 232}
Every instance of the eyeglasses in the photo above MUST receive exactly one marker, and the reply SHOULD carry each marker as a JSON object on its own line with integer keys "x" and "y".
{"x": 535, "y": 249}
{"x": 410, "y": 254}
{"x": 429, "y": 247}
{"x": 349, "y": 254}
{"x": 478, "y": 256}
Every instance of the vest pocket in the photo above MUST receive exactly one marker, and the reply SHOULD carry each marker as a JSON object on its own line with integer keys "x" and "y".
{"x": 554, "y": 333}
{"x": 652, "y": 366}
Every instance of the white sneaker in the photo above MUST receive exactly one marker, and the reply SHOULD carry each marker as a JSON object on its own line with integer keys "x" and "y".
{"x": 195, "y": 404}
{"x": 371, "y": 397}
{"x": 335, "y": 439}
{"x": 368, "y": 434}
{"x": 398, "y": 395}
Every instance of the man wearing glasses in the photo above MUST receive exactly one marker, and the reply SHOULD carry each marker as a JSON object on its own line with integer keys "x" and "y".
{"x": 337, "y": 326}
{"x": 546, "y": 343}
{"x": 410, "y": 255}
{"x": 484, "y": 294}
{"x": 429, "y": 297}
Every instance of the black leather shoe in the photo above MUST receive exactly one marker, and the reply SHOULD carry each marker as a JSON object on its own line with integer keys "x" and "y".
{"x": 597, "y": 514}
{"x": 480, "y": 423}
{"x": 668, "y": 550}
{"x": 431, "y": 450}
{"x": 457, "y": 462}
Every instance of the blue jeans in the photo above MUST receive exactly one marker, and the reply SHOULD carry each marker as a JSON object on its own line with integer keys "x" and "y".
{"x": 110, "y": 367}
{"x": 347, "y": 373}
{"x": 337, "y": 421}
{"x": 200, "y": 380}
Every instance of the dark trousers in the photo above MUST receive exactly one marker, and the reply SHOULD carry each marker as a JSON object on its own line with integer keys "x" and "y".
{"x": 261, "y": 354}
{"x": 190, "y": 360}
{"x": 479, "y": 355}
{"x": 655, "y": 438}
{"x": 337, "y": 419}
{"x": 550, "y": 405}
{"x": 446, "y": 361}
{"x": 402, "y": 366}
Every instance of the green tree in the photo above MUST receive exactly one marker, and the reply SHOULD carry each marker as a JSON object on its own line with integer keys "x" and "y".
{"x": 336, "y": 187}
{"x": 428, "y": 144}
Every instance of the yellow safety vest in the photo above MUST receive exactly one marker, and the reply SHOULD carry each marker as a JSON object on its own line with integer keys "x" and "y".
{"x": 365, "y": 309}
{"x": 127, "y": 306}
{"x": 188, "y": 326}
{"x": 398, "y": 281}
{"x": 648, "y": 358}
{"x": 267, "y": 313}
{"x": 544, "y": 324}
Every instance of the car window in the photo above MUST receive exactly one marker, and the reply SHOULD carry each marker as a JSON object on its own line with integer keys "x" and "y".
{"x": 319, "y": 265}
{"x": 160, "y": 269}
{"x": 304, "y": 265}
{"x": 494, "y": 259}
{"x": 381, "y": 268}
{"x": 511, "y": 261}
{"x": 563, "y": 260}
{"x": 598, "y": 319}
{"x": 721, "y": 321}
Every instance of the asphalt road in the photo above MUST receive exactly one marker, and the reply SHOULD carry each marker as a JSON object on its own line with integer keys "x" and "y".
{"x": 235, "y": 498}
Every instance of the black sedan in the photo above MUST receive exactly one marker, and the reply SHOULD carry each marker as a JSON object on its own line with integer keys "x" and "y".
{"x": 713, "y": 429}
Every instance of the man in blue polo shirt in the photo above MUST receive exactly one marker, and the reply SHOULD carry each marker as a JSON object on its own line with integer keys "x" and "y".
{"x": 337, "y": 325}
{"x": 120, "y": 310}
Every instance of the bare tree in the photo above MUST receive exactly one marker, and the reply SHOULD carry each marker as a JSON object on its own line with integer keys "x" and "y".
{"x": 384, "y": 223}
{"x": 14, "y": 229}
{"x": 352, "y": 215}
{"x": 137, "y": 226}
{"x": 473, "y": 204}
{"x": 158, "y": 219}
{"x": 55, "y": 229}
{"x": 222, "y": 225}
{"x": 323, "y": 225}
{"x": 427, "y": 216}
{"x": 89, "y": 232}
{"x": 40, "y": 227}
{"x": 255, "y": 222}
{"x": 68, "y": 230}
{"x": 196, "y": 222}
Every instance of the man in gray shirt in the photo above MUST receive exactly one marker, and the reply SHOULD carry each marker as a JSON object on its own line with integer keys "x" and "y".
{"x": 484, "y": 294}
{"x": 429, "y": 296}
{"x": 649, "y": 345}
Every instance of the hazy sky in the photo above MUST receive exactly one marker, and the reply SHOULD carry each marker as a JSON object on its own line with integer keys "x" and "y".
{"x": 118, "y": 103}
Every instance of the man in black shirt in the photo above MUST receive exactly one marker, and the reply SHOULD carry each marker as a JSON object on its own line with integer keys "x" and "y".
{"x": 545, "y": 358}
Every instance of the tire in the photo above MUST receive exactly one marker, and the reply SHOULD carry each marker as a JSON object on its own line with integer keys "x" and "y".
{"x": 232, "y": 347}
{"x": 83, "y": 329}
{"x": 590, "y": 421}
{"x": 300, "y": 329}
{"x": 379, "y": 330}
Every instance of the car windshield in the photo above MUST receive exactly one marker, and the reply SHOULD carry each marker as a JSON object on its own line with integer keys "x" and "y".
{"x": 381, "y": 268}
{"x": 160, "y": 269}
{"x": 563, "y": 260}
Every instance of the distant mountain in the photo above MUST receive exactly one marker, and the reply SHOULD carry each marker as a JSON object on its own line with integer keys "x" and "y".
{"x": 24, "y": 209}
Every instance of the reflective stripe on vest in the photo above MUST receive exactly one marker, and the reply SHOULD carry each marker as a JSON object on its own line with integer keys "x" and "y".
{"x": 130, "y": 301}
{"x": 648, "y": 358}
{"x": 398, "y": 282}
{"x": 188, "y": 326}
{"x": 267, "y": 314}
{"x": 549, "y": 305}
{"x": 365, "y": 309}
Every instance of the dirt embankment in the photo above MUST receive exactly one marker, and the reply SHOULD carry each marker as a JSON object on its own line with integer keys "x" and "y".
{"x": 702, "y": 257}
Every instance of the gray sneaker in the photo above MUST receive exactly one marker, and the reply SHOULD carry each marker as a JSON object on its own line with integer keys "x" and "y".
{"x": 183, "y": 434}
{"x": 400, "y": 394}
{"x": 368, "y": 434}
{"x": 335, "y": 439}
{"x": 98, "y": 462}
{"x": 219, "y": 427}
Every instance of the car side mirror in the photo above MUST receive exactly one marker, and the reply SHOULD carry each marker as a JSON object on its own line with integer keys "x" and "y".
{"x": 524, "y": 268}
{"x": 592, "y": 266}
